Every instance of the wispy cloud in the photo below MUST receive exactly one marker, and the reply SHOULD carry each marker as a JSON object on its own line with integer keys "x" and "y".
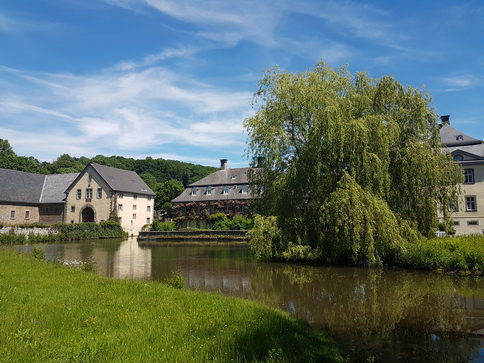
{"x": 124, "y": 110}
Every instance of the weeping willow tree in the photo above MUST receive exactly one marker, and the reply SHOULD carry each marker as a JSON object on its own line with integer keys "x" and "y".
{"x": 351, "y": 166}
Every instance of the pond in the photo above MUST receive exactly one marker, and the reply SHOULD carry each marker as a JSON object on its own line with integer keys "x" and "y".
{"x": 390, "y": 315}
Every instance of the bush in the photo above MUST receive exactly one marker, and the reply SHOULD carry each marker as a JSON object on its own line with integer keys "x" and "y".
{"x": 264, "y": 237}
{"x": 176, "y": 280}
{"x": 163, "y": 226}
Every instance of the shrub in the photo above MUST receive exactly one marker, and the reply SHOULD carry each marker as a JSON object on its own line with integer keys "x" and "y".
{"x": 176, "y": 280}
{"x": 163, "y": 226}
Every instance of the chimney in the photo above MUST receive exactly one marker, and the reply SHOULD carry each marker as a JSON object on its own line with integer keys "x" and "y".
{"x": 223, "y": 164}
{"x": 445, "y": 120}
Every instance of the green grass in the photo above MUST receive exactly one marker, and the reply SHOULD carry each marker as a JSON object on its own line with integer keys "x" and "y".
{"x": 464, "y": 254}
{"x": 50, "y": 313}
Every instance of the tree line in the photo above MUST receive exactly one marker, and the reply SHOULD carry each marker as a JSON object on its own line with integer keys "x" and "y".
{"x": 167, "y": 178}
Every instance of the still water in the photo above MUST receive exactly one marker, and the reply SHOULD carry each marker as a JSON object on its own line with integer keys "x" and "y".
{"x": 393, "y": 316}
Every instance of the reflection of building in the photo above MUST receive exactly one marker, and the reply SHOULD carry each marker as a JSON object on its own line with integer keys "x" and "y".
{"x": 97, "y": 193}
{"x": 224, "y": 191}
{"x": 468, "y": 211}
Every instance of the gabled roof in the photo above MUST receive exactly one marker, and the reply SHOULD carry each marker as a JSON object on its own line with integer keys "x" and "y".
{"x": 228, "y": 176}
{"x": 121, "y": 180}
{"x": 452, "y": 137}
{"x": 21, "y": 187}
{"x": 54, "y": 187}
{"x": 476, "y": 151}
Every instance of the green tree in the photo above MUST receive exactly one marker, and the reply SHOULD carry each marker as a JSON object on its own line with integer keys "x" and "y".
{"x": 325, "y": 136}
{"x": 165, "y": 192}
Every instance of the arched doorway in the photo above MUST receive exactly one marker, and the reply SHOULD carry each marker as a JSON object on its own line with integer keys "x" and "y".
{"x": 87, "y": 215}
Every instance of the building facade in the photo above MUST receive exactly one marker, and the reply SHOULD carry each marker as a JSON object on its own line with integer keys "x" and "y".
{"x": 224, "y": 191}
{"x": 100, "y": 193}
{"x": 27, "y": 198}
{"x": 96, "y": 194}
{"x": 468, "y": 210}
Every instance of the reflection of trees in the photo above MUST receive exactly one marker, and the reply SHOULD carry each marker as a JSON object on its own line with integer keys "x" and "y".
{"x": 366, "y": 310}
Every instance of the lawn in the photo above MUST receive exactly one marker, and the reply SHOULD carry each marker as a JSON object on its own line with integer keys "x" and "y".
{"x": 52, "y": 313}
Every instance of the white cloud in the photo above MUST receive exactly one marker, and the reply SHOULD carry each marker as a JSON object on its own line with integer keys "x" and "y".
{"x": 112, "y": 110}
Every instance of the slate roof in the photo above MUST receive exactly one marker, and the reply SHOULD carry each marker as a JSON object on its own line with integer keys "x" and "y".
{"x": 54, "y": 187}
{"x": 452, "y": 137}
{"x": 121, "y": 180}
{"x": 21, "y": 187}
{"x": 234, "y": 179}
{"x": 229, "y": 176}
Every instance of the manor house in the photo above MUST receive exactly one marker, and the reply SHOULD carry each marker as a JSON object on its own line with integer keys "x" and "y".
{"x": 468, "y": 152}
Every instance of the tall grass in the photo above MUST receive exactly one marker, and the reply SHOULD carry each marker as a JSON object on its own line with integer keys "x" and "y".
{"x": 50, "y": 313}
{"x": 463, "y": 254}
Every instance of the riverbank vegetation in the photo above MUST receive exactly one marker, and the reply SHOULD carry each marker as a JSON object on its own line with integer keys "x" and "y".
{"x": 61, "y": 232}
{"x": 463, "y": 254}
{"x": 351, "y": 167}
{"x": 53, "y": 313}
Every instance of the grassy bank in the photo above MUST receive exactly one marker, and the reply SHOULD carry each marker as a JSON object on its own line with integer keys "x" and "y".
{"x": 50, "y": 313}
{"x": 464, "y": 254}
{"x": 62, "y": 232}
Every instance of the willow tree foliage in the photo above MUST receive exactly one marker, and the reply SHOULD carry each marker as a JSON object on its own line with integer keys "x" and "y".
{"x": 351, "y": 166}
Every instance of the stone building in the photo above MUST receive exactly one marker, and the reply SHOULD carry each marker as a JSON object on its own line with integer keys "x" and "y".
{"x": 468, "y": 211}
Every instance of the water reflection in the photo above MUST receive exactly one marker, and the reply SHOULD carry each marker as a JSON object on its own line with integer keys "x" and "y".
{"x": 386, "y": 315}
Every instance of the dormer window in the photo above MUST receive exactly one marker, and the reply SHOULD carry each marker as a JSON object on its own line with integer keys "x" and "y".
{"x": 245, "y": 189}
{"x": 226, "y": 190}
{"x": 459, "y": 137}
{"x": 233, "y": 177}
{"x": 209, "y": 191}
{"x": 193, "y": 191}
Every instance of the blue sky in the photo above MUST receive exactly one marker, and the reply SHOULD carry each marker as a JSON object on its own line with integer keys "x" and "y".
{"x": 174, "y": 79}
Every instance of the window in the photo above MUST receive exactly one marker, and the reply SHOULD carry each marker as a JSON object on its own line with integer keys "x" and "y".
{"x": 209, "y": 191}
{"x": 469, "y": 176}
{"x": 72, "y": 222}
{"x": 89, "y": 178}
{"x": 148, "y": 220}
{"x": 88, "y": 193}
{"x": 471, "y": 205}
{"x": 472, "y": 223}
{"x": 456, "y": 223}
{"x": 226, "y": 190}
{"x": 46, "y": 209}
{"x": 27, "y": 214}
{"x": 12, "y": 214}
{"x": 78, "y": 195}
{"x": 99, "y": 193}
{"x": 120, "y": 195}
{"x": 134, "y": 206}
{"x": 193, "y": 191}
{"x": 148, "y": 208}
{"x": 135, "y": 196}
{"x": 245, "y": 189}
{"x": 459, "y": 137}
{"x": 120, "y": 207}
{"x": 149, "y": 198}
{"x": 134, "y": 215}
{"x": 453, "y": 206}
{"x": 56, "y": 209}
{"x": 458, "y": 157}
{"x": 73, "y": 209}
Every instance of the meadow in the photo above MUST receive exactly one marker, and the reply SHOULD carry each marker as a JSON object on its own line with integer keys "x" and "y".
{"x": 52, "y": 313}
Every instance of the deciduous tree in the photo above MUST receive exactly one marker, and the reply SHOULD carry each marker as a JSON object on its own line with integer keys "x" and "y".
{"x": 351, "y": 166}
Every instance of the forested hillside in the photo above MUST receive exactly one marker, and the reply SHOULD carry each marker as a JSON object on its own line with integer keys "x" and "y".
{"x": 152, "y": 170}
{"x": 167, "y": 178}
